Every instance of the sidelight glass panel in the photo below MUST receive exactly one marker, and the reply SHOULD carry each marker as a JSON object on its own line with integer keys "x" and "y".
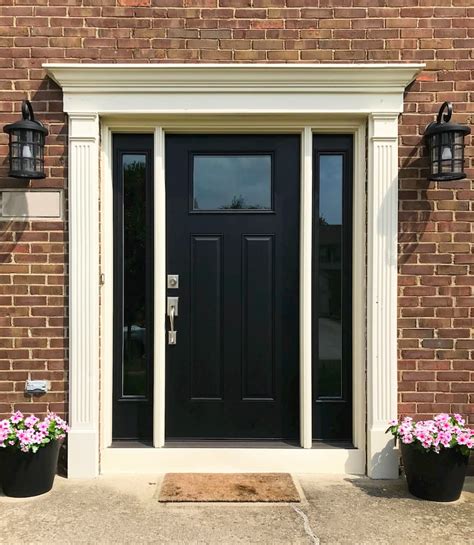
{"x": 330, "y": 276}
{"x": 232, "y": 182}
{"x": 135, "y": 255}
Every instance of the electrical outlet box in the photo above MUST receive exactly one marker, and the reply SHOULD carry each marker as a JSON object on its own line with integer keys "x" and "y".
{"x": 37, "y": 386}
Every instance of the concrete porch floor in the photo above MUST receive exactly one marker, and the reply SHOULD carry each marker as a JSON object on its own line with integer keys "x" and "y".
{"x": 124, "y": 509}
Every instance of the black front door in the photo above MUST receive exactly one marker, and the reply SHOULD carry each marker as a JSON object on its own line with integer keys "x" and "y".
{"x": 233, "y": 240}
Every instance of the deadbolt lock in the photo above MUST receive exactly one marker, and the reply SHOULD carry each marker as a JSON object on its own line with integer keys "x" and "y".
{"x": 173, "y": 281}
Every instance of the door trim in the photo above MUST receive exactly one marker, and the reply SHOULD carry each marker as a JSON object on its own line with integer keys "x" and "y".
{"x": 356, "y": 127}
{"x": 337, "y": 94}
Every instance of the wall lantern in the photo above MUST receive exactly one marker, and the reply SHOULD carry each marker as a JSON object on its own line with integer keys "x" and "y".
{"x": 26, "y": 145}
{"x": 446, "y": 146}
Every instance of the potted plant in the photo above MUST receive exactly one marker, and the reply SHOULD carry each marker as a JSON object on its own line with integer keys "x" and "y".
{"x": 29, "y": 449}
{"x": 435, "y": 455}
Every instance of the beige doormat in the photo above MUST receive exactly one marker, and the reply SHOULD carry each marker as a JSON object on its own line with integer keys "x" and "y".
{"x": 231, "y": 487}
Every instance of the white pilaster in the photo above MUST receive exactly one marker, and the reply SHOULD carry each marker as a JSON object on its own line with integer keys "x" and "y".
{"x": 382, "y": 460}
{"x": 83, "y": 442}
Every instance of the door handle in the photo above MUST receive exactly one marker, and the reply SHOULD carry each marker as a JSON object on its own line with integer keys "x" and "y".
{"x": 172, "y": 311}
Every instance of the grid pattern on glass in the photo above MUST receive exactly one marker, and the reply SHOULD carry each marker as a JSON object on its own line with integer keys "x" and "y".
{"x": 27, "y": 149}
{"x": 232, "y": 182}
{"x": 134, "y": 375}
{"x": 330, "y": 276}
{"x": 447, "y": 152}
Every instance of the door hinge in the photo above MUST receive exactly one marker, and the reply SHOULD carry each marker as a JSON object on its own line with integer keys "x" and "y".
{"x": 101, "y": 279}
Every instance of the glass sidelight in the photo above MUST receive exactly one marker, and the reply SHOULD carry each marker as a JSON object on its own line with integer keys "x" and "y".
{"x": 133, "y": 286}
{"x": 332, "y": 288}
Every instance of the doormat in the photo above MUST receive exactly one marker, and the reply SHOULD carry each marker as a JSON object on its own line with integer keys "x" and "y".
{"x": 228, "y": 487}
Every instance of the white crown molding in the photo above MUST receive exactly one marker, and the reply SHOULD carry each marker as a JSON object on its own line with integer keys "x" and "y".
{"x": 157, "y": 88}
{"x": 297, "y": 78}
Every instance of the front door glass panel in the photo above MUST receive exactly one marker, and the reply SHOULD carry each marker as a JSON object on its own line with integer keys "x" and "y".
{"x": 332, "y": 288}
{"x": 232, "y": 182}
{"x": 134, "y": 275}
{"x": 329, "y": 281}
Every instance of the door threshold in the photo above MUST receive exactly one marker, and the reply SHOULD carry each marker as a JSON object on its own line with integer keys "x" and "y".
{"x": 225, "y": 459}
{"x": 131, "y": 443}
{"x": 232, "y": 443}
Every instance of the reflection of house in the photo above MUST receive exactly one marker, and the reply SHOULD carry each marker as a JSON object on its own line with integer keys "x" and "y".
{"x": 330, "y": 264}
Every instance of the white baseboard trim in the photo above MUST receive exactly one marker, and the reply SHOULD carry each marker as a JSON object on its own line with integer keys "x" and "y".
{"x": 83, "y": 454}
{"x": 382, "y": 457}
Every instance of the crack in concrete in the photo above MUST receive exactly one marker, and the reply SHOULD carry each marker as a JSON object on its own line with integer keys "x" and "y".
{"x": 307, "y": 526}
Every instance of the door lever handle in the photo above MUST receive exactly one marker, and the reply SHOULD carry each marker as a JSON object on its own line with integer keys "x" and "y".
{"x": 172, "y": 332}
{"x": 172, "y": 311}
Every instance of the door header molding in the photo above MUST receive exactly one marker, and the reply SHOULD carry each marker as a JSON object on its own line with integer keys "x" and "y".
{"x": 232, "y": 88}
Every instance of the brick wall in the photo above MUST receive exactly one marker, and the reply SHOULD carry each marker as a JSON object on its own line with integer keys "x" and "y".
{"x": 436, "y": 370}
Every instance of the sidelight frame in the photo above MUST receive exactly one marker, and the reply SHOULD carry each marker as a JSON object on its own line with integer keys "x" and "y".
{"x": 121, "y": 400}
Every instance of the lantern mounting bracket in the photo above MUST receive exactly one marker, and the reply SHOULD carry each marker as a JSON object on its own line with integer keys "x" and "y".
{"x": 27, "y": 110}
{"x": 446, "y": 116}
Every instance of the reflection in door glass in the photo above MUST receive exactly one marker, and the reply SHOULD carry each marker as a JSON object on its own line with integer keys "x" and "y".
{"x": 232, "y": 182}
{"x": 330, "y": 276}
{"x": 134, "y": 275}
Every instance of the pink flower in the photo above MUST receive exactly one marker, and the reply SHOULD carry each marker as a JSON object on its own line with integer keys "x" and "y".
{"x": 393, "y": 422}
{"x": 459, "y": 419}
{"x": 43, "y": 427}
{"x": 464, "y": 438}
{"x": 24, "y": 436}
{"x": 3, "y": 437}
{"x": 445, "y": 438}
{"x": 407, "y": 438}
{"x": 16, "y": 417}
{"x": 31, "y": 421}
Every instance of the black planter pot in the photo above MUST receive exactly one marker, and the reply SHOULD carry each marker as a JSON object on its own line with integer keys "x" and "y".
{"x": 26, "y": 474}
{"x": 434, "y": 477}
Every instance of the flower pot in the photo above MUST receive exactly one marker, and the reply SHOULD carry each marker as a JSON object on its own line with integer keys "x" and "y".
{"x": 434, "y": 477}
{"x": 26, "y": 474}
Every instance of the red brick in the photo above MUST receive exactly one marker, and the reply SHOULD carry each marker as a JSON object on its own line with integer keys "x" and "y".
{"x": 436, "y": 303}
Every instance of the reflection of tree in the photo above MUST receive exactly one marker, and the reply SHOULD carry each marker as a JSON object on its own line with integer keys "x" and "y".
{"x": 323, "y": 221}
{"x": 134, "y": 234}
{"x": 330, "y": 270}
{"x": 239, "y": 203}
{"x": 134, "y": 253}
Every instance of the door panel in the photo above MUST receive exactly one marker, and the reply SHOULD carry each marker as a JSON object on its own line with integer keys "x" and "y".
{"x": 133, "y": 287}
{"x": 206, "y": 323}
{"x": 258, "y": 309}
{"x": 332, "y": 288}
{"x": 233, "y": 239}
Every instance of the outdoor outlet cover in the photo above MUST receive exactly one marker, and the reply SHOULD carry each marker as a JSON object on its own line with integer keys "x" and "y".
{"x": 37, "y": 386}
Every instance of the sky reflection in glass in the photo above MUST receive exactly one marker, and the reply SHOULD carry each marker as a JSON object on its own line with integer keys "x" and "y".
{"x": 232, "y": 182}
{"x": 330, "y": 193}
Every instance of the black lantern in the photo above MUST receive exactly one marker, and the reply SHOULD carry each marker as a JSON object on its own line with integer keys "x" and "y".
{"x": 446, "y": 146}
{"x": 26, "y": 145}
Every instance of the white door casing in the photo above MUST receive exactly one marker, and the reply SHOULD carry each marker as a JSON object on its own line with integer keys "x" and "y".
{"x": 299, "y": 98}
